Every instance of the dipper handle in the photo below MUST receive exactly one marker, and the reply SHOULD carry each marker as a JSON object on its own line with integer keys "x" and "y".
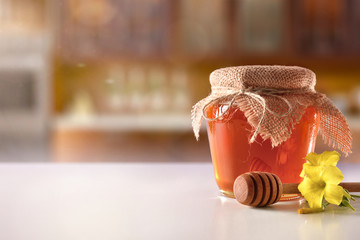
{"x": 259, "y": 189}
{"x": 351, "y": 186}
{"x": 292, "y": 188}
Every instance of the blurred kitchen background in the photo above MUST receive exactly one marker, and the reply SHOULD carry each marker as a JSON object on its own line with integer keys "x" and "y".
{"x": 114, "y": 80}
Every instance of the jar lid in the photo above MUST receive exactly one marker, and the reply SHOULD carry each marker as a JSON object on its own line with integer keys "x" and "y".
{"x": 283, "y": 77}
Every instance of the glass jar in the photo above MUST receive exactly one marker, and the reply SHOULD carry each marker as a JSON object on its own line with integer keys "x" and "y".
{"x": 232, "y": 154}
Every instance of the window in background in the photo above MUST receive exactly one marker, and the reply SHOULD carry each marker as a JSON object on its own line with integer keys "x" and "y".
{"x": 260, "y": 26}
{"x": 203, "y": 26}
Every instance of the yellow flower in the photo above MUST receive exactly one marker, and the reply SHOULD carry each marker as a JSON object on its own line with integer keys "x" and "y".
{"x": 320, "y": 160}
{"x": 321, "y": 179}
{"x": 322, "y": 182}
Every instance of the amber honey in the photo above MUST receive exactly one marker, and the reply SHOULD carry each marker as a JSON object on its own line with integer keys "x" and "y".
{"x": 232, "y": 154}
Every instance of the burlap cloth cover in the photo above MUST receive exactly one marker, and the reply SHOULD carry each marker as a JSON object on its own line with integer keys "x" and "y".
{"x": 273, "y": 99}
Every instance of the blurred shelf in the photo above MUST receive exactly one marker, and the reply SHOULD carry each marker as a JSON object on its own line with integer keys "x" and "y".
{"x": 146, "y": 122}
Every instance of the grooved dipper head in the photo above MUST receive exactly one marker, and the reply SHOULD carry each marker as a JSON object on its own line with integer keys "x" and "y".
{"x": 257, "y": 189}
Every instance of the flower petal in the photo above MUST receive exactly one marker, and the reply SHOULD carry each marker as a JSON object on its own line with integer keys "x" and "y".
{"x": 312, "y": 192}
{"x": 313, "y": 158}
{"x": 333, "y": 193}
{"x": 329, "y": 158}
{"x": 332, "y": 175}
{"x": 314, "y": 172}
{"x": 302, "y": 174}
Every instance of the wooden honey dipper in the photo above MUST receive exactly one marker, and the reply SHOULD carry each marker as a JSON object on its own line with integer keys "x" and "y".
{"x": 260, "y": 189}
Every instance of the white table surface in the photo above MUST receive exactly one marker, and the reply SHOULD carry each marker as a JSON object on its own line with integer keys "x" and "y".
{"x": 149, "y": 201}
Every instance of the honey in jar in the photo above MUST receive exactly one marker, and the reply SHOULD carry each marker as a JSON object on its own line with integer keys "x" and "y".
{"x": 232, "y": 155}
